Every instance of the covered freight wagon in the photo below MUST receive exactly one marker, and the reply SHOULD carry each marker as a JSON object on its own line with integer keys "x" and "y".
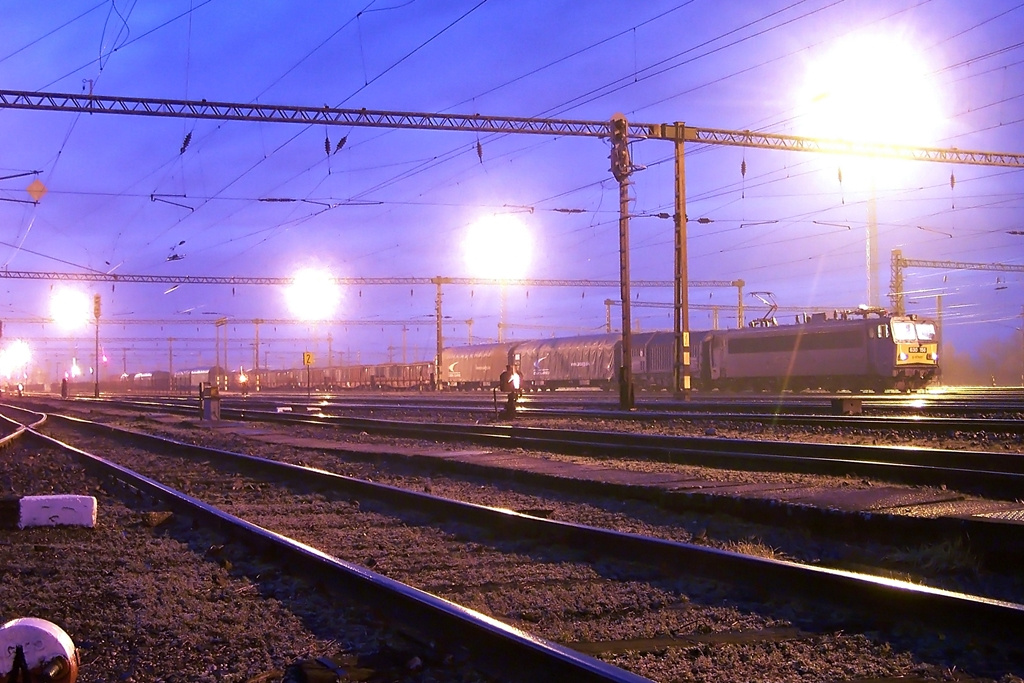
{"x": 592, "y": 360}
{"x": 474, "y": 367}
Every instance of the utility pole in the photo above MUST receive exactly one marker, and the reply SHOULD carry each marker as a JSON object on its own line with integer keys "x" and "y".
{"x": 440, "y": 338}
{"x": 621, "y": 169}
{"x": 942, "y": 326}
{"x": 96, "y": 372}
{"x": 681, "y": 298}
{"x": 871, "y": 247}
{"x": 501, "y": 314}
{"x": 218, "y": 368}
{"x": 256, "y": 355}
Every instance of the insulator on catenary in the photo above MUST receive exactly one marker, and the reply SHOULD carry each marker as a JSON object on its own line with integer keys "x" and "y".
{"x": 185, "y": 142}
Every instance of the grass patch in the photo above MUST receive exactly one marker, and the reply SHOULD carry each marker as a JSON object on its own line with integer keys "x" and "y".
{"x": 950, "y": 556}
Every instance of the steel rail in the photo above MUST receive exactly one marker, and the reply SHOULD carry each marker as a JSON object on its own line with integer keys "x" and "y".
{"x": 20, "y": 429}
{"x": 992, "y": 474}
{"x": 868, "y": 596}
{"x": 494, "y": 647}
{"x": 821, "y": 416}
{"x": 813, "y": 415}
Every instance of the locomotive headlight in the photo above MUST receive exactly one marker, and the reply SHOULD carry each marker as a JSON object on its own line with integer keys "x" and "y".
{"x": 933, "y": 356}
{"x": 904, "y": 356}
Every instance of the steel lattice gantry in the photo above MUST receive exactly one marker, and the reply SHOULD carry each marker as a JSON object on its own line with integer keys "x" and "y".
{"x": 678, "y": 133}
{"x": 898, "y": 264}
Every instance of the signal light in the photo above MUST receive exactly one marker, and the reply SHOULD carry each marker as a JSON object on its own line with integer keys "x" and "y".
{"x": 619, "y": 129}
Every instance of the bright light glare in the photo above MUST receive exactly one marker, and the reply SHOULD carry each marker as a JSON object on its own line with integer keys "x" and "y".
{"x": 498, "y": 247}
{"x": 14, "y": 359}
{"x": 313, "y": 295}
{"x": 70, "y": 308}
{"x": 873, "y": 89}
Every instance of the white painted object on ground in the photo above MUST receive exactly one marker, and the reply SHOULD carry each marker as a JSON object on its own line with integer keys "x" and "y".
{"x": 57, "y": 510}
{"x": 42, "y": 642}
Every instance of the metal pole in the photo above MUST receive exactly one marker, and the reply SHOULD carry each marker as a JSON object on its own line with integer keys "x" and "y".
{"x": 739, "y": 303}
{"x": 96, "y": 372}
{"x": 216, "y": 350}
{"x": 871, "y": 247}
{"x": 626, "y": 399}
{"x": 256, "y": 355}
{"x": 501, "y": 315}
{"x": 938, "y": 321}
{"x": 681, "y": 319}
{"x": 896, "y": 282}
{"x": 440, "y": 338}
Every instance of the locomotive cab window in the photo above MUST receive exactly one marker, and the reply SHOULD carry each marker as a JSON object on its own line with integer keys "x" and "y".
{"x": 883, "y": 331}
{"x": 925, "y": 331}
{"x": 904, "y": 331}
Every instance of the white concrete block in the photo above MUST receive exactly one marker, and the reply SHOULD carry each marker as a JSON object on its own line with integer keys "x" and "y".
{"x": 57, "y": 510}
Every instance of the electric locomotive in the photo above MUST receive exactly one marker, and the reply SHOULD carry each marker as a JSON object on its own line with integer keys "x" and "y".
{"x": 862, "y": 349}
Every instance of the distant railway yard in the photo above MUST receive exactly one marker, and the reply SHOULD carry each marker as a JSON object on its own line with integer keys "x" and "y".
{"x": 426, "y": 537}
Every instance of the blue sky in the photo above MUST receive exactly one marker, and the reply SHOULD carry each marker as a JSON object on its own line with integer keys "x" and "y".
{"x": 123, "y": 197}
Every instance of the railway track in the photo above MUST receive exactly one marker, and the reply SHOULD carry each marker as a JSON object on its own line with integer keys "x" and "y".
{"x": 949, "y": 402}
{"x": 451, "y": 631}
{"x": 987, "y": 526}
{"x": 869, "y": 599}
{"x": 899, "y": 415}
{"x": 993, "y": 474}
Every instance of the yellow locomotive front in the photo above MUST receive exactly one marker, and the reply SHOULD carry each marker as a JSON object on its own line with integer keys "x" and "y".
{"x": 916, "y": 363}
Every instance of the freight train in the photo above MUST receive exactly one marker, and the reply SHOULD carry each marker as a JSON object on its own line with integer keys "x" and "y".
{"x": 863, "y": 349}
{"x": 418, "y": 375}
